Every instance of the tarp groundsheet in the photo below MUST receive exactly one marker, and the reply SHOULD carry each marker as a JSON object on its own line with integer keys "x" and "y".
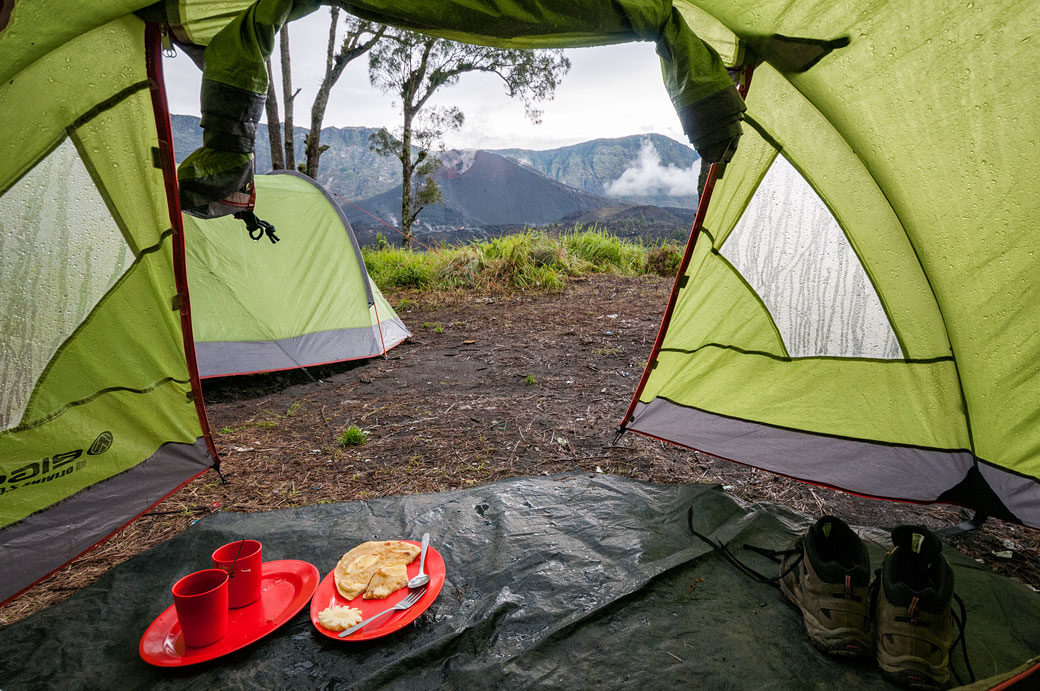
{"x": 569, "y": 582}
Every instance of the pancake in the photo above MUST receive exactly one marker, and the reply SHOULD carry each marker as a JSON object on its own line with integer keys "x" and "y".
{"x": 386, "y": 580}
{"x": 356, "y": 568}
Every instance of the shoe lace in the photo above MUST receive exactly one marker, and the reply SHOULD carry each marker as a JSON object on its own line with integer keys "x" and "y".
{"x": 775, "y": 555}
{"x": 962, "y": 625}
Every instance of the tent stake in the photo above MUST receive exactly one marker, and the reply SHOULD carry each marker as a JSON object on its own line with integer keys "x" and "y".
{"x": 971, "y": 524}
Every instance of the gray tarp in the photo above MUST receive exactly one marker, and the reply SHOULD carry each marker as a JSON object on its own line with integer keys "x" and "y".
{"x": 570, "y": 582}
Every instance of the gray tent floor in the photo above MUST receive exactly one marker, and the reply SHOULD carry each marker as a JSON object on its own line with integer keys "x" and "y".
{"x": 573, "y": 581}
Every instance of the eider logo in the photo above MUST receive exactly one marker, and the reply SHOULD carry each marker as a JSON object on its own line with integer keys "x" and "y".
{"x": 102, "y": 444}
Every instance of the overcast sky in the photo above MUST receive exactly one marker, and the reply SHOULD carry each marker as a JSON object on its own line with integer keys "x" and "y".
{"x": 610, "y": 91}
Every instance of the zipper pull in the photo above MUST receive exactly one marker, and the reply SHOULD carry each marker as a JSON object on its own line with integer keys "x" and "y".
{"x": 168, "y": 50}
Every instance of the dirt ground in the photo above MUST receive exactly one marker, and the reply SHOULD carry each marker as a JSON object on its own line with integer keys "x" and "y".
{"x": 489, "y": 387}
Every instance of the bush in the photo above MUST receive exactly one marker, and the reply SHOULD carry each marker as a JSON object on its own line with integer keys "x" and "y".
{"x": 663, "y": 260}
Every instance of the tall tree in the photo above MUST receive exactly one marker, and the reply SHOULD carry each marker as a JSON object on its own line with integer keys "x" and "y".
{"x": 288, "y": 96}
{"x": 413, "y": 66}
{"x": 417, "y": 174}
{"x": 274, "y": 123}
{"x": 359, "y": 38}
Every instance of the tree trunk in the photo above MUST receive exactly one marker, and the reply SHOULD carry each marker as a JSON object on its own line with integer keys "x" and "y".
{"x": 406, "y": 180}
{"x": 314, "y": 149}
{"x": 274, "y": 123}
{"x": 287, "y": 96}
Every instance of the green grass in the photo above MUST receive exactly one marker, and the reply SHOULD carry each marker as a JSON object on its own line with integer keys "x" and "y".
{"x": 400, "y": 268}
{"x": 352, "y": 436}
{"x": 528, "y": 260}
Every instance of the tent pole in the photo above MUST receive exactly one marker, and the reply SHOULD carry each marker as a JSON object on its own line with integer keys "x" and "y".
{"x": 714, "y": 173}
{"x": 164, "y": 132}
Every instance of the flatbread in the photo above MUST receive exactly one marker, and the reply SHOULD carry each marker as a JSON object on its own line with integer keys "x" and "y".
{"x": 386, "y": 580}
{"x": 356, "y": 568}
{"x": 338, "y": 618}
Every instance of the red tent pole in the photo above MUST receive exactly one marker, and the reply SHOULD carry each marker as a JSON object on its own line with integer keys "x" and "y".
{"x": 153, "y": 58}
{"x": 691, "y": 243}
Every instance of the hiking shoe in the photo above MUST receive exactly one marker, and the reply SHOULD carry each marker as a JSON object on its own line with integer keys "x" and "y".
{"x": 913, "y": 612}
{"x": 826, "y": 573}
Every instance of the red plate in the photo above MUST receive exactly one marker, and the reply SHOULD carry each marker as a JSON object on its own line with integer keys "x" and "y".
{"x": 327, "y": 596}
{"x": 285, "y": 587}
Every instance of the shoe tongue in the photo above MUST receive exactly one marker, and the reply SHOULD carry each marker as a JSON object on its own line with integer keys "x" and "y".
{"x": 917, "y": 542}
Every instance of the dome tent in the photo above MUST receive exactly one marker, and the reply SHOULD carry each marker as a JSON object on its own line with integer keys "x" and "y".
{"x": 305, "y": 300}
{"x": 858, "y": 302}
{"x": 101, "y": 410}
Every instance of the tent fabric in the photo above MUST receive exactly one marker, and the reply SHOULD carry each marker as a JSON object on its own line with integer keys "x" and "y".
{"x": 571, "y": 581}
{"x": 305, "y": 300}
{"x": 859, "y": 305}
{"x": 99, "y": 415}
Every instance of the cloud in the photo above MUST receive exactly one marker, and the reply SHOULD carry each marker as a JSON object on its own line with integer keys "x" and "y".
{"x": 646, "y": 176}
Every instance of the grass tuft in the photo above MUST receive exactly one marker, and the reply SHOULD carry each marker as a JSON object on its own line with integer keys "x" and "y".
{"x": 528, "y": 260}
{"x": 352, "y": 436}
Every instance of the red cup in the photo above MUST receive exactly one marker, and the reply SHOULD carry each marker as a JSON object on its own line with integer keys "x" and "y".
{"x": 242, "y": 560}
{"x": 201, "y": 600}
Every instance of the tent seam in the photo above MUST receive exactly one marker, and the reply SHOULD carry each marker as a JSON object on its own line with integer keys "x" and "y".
{"x": 826, "y": 434}
{"x": 892, "y": 361}
{"x": 53, "y": 415}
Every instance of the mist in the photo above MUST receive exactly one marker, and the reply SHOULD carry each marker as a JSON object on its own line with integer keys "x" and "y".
{"x": 646, "y": 176}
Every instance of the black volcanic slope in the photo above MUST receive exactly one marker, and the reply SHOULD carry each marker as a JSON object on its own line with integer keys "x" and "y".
{"x": 487, "y": 189}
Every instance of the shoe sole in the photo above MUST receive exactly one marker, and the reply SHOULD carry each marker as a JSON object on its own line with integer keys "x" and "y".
{"x": 843, "y": 642}
{"x": 913, "y": 672}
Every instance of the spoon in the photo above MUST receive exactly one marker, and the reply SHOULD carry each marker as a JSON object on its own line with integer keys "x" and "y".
{"x": 421, "y": 579}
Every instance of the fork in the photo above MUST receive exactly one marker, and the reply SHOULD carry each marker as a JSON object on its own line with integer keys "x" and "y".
{"x": 403, "y": 604}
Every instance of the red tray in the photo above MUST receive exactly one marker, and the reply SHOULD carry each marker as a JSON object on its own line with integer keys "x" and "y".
{"x": 327, "y": 596}
{"x": 285, "y": 588}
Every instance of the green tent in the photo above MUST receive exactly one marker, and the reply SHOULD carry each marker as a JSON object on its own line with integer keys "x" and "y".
{"x": 858, "y": 309}
{"x": 258, "y": 306}
{"x": 860, "y": 302}
{"x": 100, "y": 409}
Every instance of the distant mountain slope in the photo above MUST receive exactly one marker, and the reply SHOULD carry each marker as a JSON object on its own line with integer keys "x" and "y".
{"x": 347, "y": 168}
{"x": 640, "y": 169}
{"x": 662, "y": 180}
{"x": 484, "y": 189}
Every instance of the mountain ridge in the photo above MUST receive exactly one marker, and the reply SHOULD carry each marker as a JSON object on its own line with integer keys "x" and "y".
{"x": 350, "y": 169}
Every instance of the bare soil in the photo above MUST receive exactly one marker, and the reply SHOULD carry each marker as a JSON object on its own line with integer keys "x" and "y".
{"x": 490, "y": 386}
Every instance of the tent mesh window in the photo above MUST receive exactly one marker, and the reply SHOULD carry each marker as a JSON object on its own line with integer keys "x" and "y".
{"x": 790, "y": 249}
{"x": 60, "y": 253}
